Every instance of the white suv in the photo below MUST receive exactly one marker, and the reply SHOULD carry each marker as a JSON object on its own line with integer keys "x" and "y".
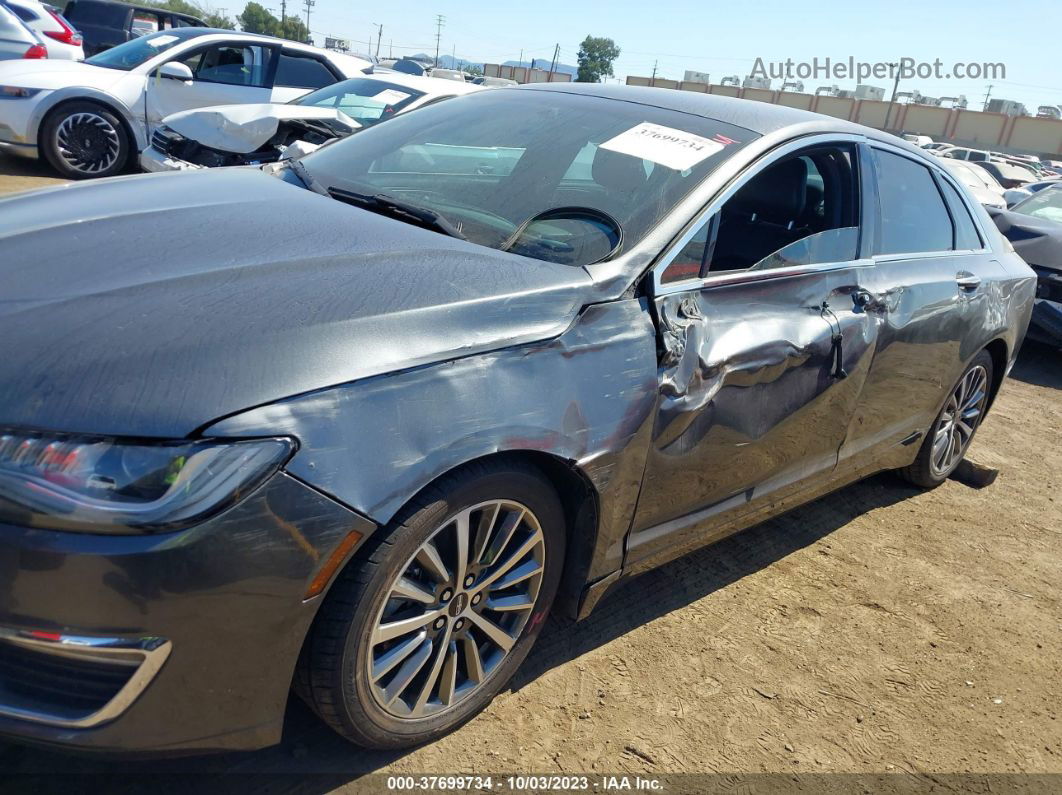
{"x": 88, "y": 118}
{"x": 57, "y": 34}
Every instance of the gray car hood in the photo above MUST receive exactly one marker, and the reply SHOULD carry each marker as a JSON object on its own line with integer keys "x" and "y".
{"x": 151, "y": 305}
{"x": 246, "y": 128}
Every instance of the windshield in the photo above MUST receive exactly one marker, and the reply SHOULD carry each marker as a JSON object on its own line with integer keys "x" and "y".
{"x": 135, "y": 52}
{"x": 1046, "y": 204}
{"x": 489, "y": 162}
{"x": 364, "y": 100}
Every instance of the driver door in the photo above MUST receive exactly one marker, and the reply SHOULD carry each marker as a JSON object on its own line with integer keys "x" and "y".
{"x": 766, "y": 332}
{"x": 222, "y": 74}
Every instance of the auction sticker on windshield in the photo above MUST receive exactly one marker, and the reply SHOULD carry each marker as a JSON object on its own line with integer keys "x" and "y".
{"x": 391, "y": 96}
{"x": 664, "y": 145}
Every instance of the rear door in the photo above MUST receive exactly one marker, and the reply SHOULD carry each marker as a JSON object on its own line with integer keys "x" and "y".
{"x": 931, "y": 273}
{"x": 764, "y": 346}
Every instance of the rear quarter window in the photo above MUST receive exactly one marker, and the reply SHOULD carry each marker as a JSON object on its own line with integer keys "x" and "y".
{"x": 295, "y": 70}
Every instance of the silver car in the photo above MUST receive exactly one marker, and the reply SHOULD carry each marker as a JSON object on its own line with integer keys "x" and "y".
{"x": 16, "y": 39}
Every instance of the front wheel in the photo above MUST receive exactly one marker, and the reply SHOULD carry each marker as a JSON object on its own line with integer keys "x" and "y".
{"x": 955, "y": 426}
{"x": 426, "y": 627}
{"x": 83, "y": 140}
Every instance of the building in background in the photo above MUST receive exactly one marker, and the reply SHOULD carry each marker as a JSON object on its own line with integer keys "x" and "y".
{"x": 1007, "y": 107}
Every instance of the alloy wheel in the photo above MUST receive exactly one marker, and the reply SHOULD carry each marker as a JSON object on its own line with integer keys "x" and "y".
{"x": 959, "y": 420}
{"x": 456, "y": 609}
{"x": 88, "y": 143}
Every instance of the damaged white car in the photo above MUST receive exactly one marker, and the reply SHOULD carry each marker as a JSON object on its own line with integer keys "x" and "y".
{"x": 244, "y": 135}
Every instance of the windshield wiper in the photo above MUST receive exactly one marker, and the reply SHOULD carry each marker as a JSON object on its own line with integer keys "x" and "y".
{"x": 396, "y": 208}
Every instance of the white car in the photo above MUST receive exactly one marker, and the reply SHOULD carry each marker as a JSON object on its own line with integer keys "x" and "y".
{"x": 58, "y": 35}
{"x": 233, "y": 135}
{"x": 88, "y": 118}
{"x": 981, "y": 184}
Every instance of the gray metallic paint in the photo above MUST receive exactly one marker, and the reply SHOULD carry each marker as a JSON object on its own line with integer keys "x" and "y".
{"x": 457, "y": 353}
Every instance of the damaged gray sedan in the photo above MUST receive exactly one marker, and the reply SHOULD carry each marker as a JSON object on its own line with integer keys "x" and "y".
{"x": 356, "y": 423}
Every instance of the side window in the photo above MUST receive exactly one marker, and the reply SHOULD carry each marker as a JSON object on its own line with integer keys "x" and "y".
{"x": 144, "y": 22}
{"x": 803, "y": 210}
{"x": 966, "y": 236}
{"x": 232, "y": 64}
{"x": 913, "y": 215}
{"x": 296, "y": 70}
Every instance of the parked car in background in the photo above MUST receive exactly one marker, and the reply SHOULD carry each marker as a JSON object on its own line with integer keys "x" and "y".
{"x": 981, "y": 185}
{"x": 87, "y": 119}
{"x": 355, "y": 422}
{"x": 1034, "y": 228}
{"x": 494, "y": 82}
{"x": 235, "y": 135}
{"x": 17, "y": 41}
{"x": 917, "y": 139}
{"x": 105, "y": 24}
{"x": 1016, "y": 195}
{"x": 448, "y": 74}
{"x": 60, "y": 37}
{"x": 1006, "y": 174}
{"x": 963, "y": 153}
{"x": 935, "y": 146}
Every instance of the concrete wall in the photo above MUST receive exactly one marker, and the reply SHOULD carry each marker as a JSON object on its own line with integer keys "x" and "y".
{"x": 1016, "y": 134}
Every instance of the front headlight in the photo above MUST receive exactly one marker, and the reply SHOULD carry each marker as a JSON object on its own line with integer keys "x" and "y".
{"x": 17, "y": 92}
{"x": 108, "y": 485}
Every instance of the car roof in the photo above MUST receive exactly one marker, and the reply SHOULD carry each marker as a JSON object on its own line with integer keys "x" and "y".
{"x": 431, "y": 86}
{"x": 192, "y": 33}
{"x": 759, "y": 117}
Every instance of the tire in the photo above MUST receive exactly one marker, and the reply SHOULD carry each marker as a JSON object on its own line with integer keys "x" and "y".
{"x": 336, "y": 673}
{"x": 82, "y": 140}
{"x": 970, "y": 393}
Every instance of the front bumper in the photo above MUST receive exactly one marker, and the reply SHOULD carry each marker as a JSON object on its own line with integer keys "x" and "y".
{"x": 152, "y": 161}
{"x": 208, "y": 621}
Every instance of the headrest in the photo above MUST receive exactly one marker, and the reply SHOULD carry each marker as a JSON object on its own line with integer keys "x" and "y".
{"x": 778, "y": 194}
{"x": 616, "y": 172}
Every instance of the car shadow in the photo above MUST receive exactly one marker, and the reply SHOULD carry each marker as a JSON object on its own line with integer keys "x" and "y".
{"x": 312, "y": 759}
{"x": 1038, "y": 364}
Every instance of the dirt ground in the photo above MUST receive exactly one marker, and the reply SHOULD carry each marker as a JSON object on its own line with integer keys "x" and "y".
{"x": 879, "y": 630}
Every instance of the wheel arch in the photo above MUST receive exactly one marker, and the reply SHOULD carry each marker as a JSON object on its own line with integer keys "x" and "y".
{"x": 122, "y": 113}
{"x": 1000, "y": 353}
{"x": 579, "y": 499}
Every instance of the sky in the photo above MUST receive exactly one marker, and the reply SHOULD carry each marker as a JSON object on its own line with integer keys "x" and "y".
{"x": 725, "y": 38}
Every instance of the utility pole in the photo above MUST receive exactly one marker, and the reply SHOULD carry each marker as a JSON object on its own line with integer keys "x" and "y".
{"x": 553, "y": 63}
{"x": 440, "y": 20}
{"x": 892, "y": 99}
{"x": 987, "y": 95}
{"x": 390, "y": 49}
{"x": 309, "y": 4}
{"x": 652, "y": 80}
{"x": 379, "y": 36}
{"x": 283, "y": 13}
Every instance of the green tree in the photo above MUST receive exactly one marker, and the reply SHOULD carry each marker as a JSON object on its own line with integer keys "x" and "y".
{"x": 596, "y": 55}
{"x": 205, "y": 13}
{"x": 257, "y": 19}
{"x": 294, "y": 29}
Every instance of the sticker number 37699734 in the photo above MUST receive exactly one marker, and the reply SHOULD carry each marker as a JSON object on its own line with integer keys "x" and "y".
{"x": 667, "y": 146}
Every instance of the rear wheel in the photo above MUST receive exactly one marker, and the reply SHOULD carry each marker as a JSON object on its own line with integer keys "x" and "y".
{"x": 83, "y": 139}
{"x": 955, "y": 426}
{"x": 424, "y": 629}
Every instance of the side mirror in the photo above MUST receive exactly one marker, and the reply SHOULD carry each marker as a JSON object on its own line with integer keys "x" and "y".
{"x": 175, "y": 71}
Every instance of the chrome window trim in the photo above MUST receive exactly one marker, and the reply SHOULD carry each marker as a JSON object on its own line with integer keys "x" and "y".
{"x": 941, "y": 173}
{"x": 739, "y": 277}
{"x": 146, "y": 653}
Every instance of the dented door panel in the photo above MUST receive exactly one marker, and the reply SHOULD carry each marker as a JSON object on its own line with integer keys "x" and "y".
{"x": 753, "y": 397}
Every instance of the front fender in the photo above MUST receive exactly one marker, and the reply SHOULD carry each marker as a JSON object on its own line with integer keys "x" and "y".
{"x": 586, "y": 396}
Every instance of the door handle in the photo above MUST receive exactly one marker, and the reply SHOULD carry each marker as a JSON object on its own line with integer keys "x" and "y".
{"x": 967, "y": 281}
